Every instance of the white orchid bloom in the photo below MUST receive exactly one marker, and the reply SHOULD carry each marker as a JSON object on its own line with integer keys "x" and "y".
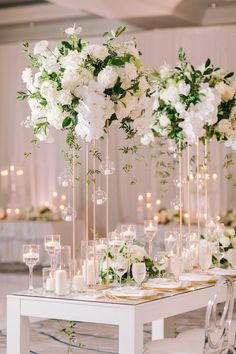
{"x": 73, "y": 31}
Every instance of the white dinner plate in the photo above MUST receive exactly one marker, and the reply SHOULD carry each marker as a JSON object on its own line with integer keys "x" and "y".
{"x": 221, "y": 271}
{"x": 127, "y": 292}
{"x": 167, "y": 284}
{"x": 198, "y": 277}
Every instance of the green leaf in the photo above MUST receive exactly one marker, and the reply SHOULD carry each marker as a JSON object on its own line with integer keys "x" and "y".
{"x": 208, "y": 71}
{"x": 66, "y": 44}
{"x": 22, "y": 95}
{"x": 227, "y": 76}
{"x": 66, "y": 122}
{"x": 119, "y": 30}
{"x": 181, "y": 54}
{"x": 207, "y": 63}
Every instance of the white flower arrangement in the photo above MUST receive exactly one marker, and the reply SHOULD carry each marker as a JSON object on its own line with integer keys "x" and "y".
{"x": 82, "y": 88}
{"x": 194, "y": 103}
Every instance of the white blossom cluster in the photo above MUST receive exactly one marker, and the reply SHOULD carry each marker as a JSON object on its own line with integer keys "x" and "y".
{"x": 85, "y": 86}
{"x": 189, "y": 103}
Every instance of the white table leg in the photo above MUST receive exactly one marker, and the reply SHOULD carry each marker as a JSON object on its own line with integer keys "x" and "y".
{"x": 130, "y": 336}
{"x": 164, "y": 328}
{"x": 158, "y": 329}
{"x": 17, "y": 328}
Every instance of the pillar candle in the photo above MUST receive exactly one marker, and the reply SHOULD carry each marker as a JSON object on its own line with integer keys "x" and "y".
{"x": 60, "y": 282}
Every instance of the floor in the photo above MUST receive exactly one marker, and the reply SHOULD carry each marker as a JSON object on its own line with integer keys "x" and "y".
{"x": 48, "y": 337}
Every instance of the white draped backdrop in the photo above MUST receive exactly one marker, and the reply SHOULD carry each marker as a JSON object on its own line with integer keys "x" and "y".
{"x": 46, "y": 162}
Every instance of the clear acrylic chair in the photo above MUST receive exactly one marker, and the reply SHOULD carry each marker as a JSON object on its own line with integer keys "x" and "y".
{"x": 217, "y": 336}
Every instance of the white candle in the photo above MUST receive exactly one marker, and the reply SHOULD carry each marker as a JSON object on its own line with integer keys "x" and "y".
{"x": 30, "y": 257}
{"x": 60, "y": 282}
{"x": 78, "y": 283}
{"x": 50, "y": 284}
{"x": 89, "y": 276}
{"x": 52, "y": 245}
{"x": 150, "y": 229}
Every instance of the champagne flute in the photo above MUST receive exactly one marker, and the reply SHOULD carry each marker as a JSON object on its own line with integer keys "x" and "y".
{"x": 52, "y": 245}
{"x": 120, "y": 266}
{"x": 139, "y": 272}
{"x": 150, "y": 230}
{"x": 30, "y": 258}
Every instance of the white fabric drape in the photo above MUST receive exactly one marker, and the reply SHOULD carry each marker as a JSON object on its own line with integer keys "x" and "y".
{"x": 46, "y": 162}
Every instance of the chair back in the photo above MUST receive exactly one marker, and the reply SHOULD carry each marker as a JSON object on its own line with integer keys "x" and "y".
{"x": 218, "y": 319}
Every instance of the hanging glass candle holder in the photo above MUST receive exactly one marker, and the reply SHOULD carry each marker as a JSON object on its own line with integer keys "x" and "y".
{"x": 107, "y": 167}
{"x": 180, "y": 183}
{"x": 68, "y": 214}
{"x": 99, "y": 197}
{"x": 175, "y": 204}
{"x": 65, "y": 179}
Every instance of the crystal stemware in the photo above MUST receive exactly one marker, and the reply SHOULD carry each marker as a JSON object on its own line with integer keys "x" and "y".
{"x": 160, "y": 262}
{"x": 139, "y": 272}
{"x": 52, "y": 245}
{"x": 120, "y": 266}
{"x": 176, "y": 266}
{"x": 150, "y": 230}
{"x": 128, "y": 234}
{"x": 171, "y": 241}
{"x": 205, "y": 258}
{"x": 30, "y": 258}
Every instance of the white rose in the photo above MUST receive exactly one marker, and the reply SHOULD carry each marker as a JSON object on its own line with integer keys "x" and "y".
{"x": 130, "y": 71}
{"x": 224, "y": 126}
{"x": 27, "y": 75}
{"x": 97, "y": 51}
{"x": 64, "y": 97}
{"x": 73, "y": 30}
{"x": 107, "y": 77}
{"x": 183, "y": 88}
{"x": 226, "y": 91}
{"x": 164, "y": 120}
{"x": 180, "y": 108}
{"x": 170, "y": 94}
{"x": 229, "y": 232}
{"x": 40, "y": 47}
{"x": 225, "y": 241}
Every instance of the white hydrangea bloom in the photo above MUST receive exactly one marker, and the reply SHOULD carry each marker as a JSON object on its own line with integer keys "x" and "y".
{"x": 40, "y": 47}
{"x": 107, "y": 77}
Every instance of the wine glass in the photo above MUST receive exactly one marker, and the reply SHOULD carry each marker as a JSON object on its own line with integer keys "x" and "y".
{"x": 120, "y": 266}
{"x": 150, "y": 230}
{"x": 205, "y": 258}
{"x": 218, "y": 252}
{"x": 171, "y": 241}
{"x": 30, "y": 258}
{"x": 128, "y": 234}
{"x": 176, "y": 266}
{"x": 52, "y": 245}
{"x": 139, "y": 272}
{"x": 160, "y": 262}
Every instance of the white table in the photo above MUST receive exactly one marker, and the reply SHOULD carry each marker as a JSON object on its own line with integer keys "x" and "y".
{"x": 129, "y": 316}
